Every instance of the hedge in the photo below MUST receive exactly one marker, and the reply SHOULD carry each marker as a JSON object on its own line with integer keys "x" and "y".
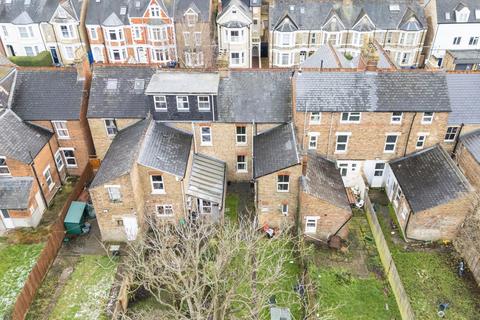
{"x": 43, "y": 59}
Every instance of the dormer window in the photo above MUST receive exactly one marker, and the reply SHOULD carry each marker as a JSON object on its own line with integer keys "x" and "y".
{"x": 154, "y": 11}
{"x": 477, "y": 14}
{"x": 123, "y": 11}
{"x": 112, "y": 84}
{"x": 462, "y": 15}
{"x": 394, "y": 7}
{"x": 447, "y": 15}
{"x": 191, "y": 19}
{"x": 139, "y": 84}
{"x": 27, "y": 2}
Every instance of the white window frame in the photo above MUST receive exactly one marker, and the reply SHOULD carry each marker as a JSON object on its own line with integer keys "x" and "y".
{"x": 67, "y": 158}
{"x": 137, "y": 33}
{"x": 181, "y": 101}
{"x": 315, "y": 118}
{"x": 203, "y": 102}
{"x": 337, "y": 143}
{"x": 25, "y": 32}
{"x": 52, "y": 183}
{"x": 428, "y": 119}
{"x": 197, "y": 39}
{"x": 61, "y": 129}
{"x": 285, "y": 39}
{"x": 311, "y": 220}
{"x": 457, "y": 41}
{"x": 395, "y": 134}
{"x": 59, "y": 160}
{"x": 243, "y": 163}
{"x": 204, "y": 134}
{"x": 112, "y": 195}
{"x": 396, "y": 119}
{"x": 110, "y": 127}
{"x": 349, "y": 116}
{"x": 313, "y": 140}
{"x": 69, "y": 52}
{"x": 122, "y": 54}
{"x": 284, "y": 209}
{"x": 160, "y": 103}
{"x": 241, "y": 138}
{"x": 155, "y": 11}
{"x": 165, "y": 208}
{"x": 378, "y": 170}
{"x": 283, "y": 183}
{"x": 93, "y": 33}
{"x": 473, "y": 41}
{"x": 449, "y": 133}
{"x": 186, "y": 38}
{"x": 240, "y": 60}
{"x": 67, "y": 31}
{"x": 118, "y": 34}
{"x": 158, "y": 187}
{"x": 191, "y": 18}
{"x": 421, "y": 139}
{"x": 4, "y": 166}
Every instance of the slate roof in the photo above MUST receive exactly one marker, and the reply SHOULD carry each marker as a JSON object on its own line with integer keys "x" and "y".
{"x": 207, "y": 178}
{"x": 125, "y": 101}
{"x": 274, "y": 150}
{"x": 166, "y": 149}
{"x": 471, "y": 141}
{"x": 38, "y": 11}
{"x": 255, "y": 96}
{"x": 98, "y": 12}
{"x": 201, "y": 7}
{"x": 6, "y": 86}
{"x": 323, "y": 180}
{"x": 183, "y": 82}
{"x": 464, "y": 98}
{"x": 47, "y": 94}
{"x": 369, "y": 91}
{"x": 465, "y": 56}
{"x": 122, "y": 153}
{"x": 444, "y": 6}
{"x": 314, "y": 14}
{"x": 15, "y": 192}
{"x": 19, "y": 140}
{"x": 241, "y": 5}
{"x": 429, "y": 178}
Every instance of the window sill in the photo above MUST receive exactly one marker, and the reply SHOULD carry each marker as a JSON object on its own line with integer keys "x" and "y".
{"x": 242, "y": 171}
{"x": 283, "y": 191}
{"x": 243, "y": 144}
{"x": 63, "y": 138}
{"x": 158, "y": 192}
{"x": 340, "y": 152}
{"x": 426, "y": 123}
{"x": 72, "y": 167}
{"x": 161, "y": 110}
{"x": 203, "y": 110}
{"x": 350, "y": 122}
{"x": 206, "y": 144}
{"x": 393, "y": 151}
{"x": 183, "y": 110}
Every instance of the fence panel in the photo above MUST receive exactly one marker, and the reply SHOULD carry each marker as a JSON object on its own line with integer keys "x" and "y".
{"x": 393, "y": 277}
{"x": 49, "y": 252}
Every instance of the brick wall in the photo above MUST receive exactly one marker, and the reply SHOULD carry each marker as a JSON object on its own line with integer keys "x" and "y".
{"x": 441, "y": 222}
{"x": 330, "y": 217}
{"x": 269, "y": 201}
{"x": 469, "y": 166}
{"x": 206, "y": 45}
{"x": 100, "y": 138}
{"x": 367, "y": 138}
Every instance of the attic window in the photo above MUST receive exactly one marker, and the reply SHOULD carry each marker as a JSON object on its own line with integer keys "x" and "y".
{"x": 462, "y": 15}
{"x": 112, "y": 84}
{"x": 292, "y": 8}
{"x": 123, "y": 10}
{"x": 394, "y": 7}
{"x": 27, "y": 2}
{"x": 302, "y": 9}
{"x": 477, "y": 14}
{"x": 447, "y": 15}
{"x": 139, "y": 84}
{"x": 137, "y": 4}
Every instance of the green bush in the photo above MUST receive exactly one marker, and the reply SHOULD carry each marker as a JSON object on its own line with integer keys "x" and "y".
{"x": 43, "y": 59}
{"x": 348, "y": 56}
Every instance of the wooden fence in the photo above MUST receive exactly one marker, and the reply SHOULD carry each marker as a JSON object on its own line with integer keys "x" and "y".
{"x": 49, "y": 252}
{"x": 391, "y": 272}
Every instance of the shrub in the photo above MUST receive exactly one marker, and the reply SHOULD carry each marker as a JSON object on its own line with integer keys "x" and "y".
{"x": 43, "y": 59}
{"x": 348, "y": 56}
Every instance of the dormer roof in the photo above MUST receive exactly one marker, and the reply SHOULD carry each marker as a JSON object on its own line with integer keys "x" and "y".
{"x": 17, "y": 12}
{"x": 447, "y": 10}
{"x": 286, "y": 25}
{"x": 363, "y": 23}
{"x": 410, "y": 22}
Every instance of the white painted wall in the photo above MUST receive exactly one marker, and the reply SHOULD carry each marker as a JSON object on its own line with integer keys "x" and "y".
{"x": 10, "y": 35}
{"x": 447, "y": 32}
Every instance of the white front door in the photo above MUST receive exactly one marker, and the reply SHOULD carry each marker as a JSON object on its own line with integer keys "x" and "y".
{"x": 311, "y": 224}
{"x": 7, "y": 221}
{"x": 131, "y": 227}
{"x": 378, "y": 175}
{"x": 40, "y": 203}
{"x": 141, "y": 55}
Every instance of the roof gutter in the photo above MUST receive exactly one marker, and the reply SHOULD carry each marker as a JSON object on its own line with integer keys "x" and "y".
{"x": 409, "y": 133}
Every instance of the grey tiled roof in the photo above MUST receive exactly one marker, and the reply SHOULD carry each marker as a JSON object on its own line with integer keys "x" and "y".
{"x": 98, "y": 12}
{"x": 260, "y": 96}
{"x": 323, "y": 181}
{"x": 183, "y": 82}
{"x": 274, "y": 150}
{"x": 464, "y": 98}
{"x": 47, "y": 94}
{"x": 202, "y": 7}
{"x": 466, "y": 56}
{"x": 314, "y": 14}
{"x": 364, "y": 91}
{"x": 37, "y": 11}
{"x": 122, "y": 153}
{"x": 19, "y": 140}
{"x": 471, "y": 141}
{"x": 125, "y": 101}
{"x": 166, "y": 149}
{"x": 15, "y": 192}
{"x": 444, "y": 6}
{"x": 240, "y": 4}
{"x": 429, "y": 178}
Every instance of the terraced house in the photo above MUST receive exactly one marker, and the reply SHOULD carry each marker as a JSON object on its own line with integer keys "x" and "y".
{"x": 32, "y": 26}
{"x": 140, "y": 31}
{"x": 297, "y": 30}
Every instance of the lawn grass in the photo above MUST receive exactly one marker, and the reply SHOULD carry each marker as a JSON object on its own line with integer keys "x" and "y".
{"x": 342, "y": 295}
{"x": 43, "y": 59}
{"x": 86, "y": 292}
{"x": 16, "y": 262}
{"x": 429, "y": 277}
{"x": 231, "y": 207}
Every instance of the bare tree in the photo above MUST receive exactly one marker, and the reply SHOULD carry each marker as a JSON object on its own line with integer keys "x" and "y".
{"x": 206, "y": 270}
